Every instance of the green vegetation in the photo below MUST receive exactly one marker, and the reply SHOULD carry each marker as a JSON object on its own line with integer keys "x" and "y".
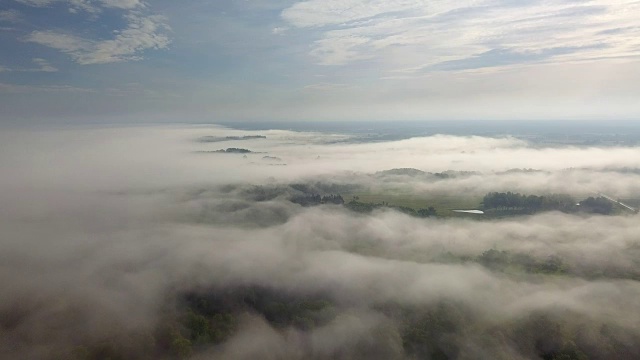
{"x": 495, "y": 204}
{"x": 442, "y": 203}
{"x": 410, "y": 172}
{"x": 634, "y": 202}
{"x": 515, "y": 203}
{"x": 598, "y": 205}
{"x": 206, "y": 318}
{"x": 317, "y": 199}
{"x": 504, "y": 261}
{"x": 429, "y": 332}
{"x": 279, "y": 309}
{"x": 527, "y": 204}
{"x": 362, "y": 207}
{"x": 233, "y": 151}
{"x": 227, "y": 151}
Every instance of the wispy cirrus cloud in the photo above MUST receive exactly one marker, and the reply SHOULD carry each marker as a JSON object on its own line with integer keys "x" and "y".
{"x": 40, "y": 65}
{"x": 28, "y": 89}
{"x": 75, "y": 6}
{"x": 315, "y": 13}
{"x": 142, "y": 33}
{"x": 37, "y": 3}
{"x": 123, "y": 4}
{"x": 10, "y": 16}
{"x": 87, "y": 5}
{"x": 325, "y": 87}
{"x": 417, "y": 35}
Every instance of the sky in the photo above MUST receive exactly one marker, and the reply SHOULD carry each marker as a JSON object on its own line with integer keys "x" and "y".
{"x": 136, "y": 61}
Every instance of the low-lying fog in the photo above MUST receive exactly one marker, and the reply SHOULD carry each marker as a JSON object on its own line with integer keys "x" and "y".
{"x": 108, "y": 235}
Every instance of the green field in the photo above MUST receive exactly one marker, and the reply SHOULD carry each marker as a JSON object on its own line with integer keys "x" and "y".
{"x": 443, "y": 203}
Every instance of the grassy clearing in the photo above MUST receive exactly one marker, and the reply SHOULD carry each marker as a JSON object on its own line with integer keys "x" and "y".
{"x": 443, "y": 203}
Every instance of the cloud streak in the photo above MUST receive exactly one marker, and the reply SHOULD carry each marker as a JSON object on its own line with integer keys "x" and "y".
{"x": 423, "y": 35}
{"x": 142, "y": 32}
{"x": 42, "y": 66}
{"x": 90, "y": 6}
{"x": 10, "y": 16}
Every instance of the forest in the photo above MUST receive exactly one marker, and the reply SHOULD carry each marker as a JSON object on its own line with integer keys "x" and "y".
{"x": 202, "y": 319}
{"x": 493, "y": 203}
{"x": 508, "y": 202}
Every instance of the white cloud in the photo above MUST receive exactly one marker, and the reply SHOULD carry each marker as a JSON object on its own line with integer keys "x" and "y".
{"x": 338, "y": 50}
{"x": 37, "y": 3}
{"x": 122, "y": 4}
{"x": 76, "y": 6}
{"x": 325, "y": 86}
{"x": 10, "y": 16}
{"x": 425, "y": 35}
{"x": 89, "y": 6}
{"x": 279, "y": 30}
{"x": 24, "y": 89}
{"x": 64, "y": 42}
{"x": 43, "y": 65}
{"x": 330, "y": 12}
{"x": 142, "y": 33}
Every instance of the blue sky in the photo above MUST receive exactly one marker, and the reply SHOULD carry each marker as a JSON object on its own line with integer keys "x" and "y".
{"x": 93, "y": 61}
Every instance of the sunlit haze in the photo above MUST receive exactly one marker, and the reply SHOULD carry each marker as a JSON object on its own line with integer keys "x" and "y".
{"x": 79, "y": 61}
{"x": 319, "y": 179}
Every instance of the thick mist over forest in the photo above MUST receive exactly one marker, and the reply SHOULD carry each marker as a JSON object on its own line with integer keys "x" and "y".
{"x": 205, "y": 242}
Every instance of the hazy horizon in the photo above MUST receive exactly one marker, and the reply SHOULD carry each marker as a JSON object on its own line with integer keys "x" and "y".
{"x": 119, "y": 61}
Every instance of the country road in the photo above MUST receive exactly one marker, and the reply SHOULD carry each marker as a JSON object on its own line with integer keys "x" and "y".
{"x": 618, "y": 202}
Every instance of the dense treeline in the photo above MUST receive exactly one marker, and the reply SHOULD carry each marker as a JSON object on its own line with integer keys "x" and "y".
{"x": 317, "y": 199}
{"x": 505, "y": 261}
{"x": 500, "y": 203}
{"x": 529, "y": 204}
{"x": 233, "y": 151}
{"x": 203, "y": 319}
{"x": 449, "y": 174}
{"x": 443, "y": 329}
{"x": 597, "y": 205}
{"x": 356, "y": 205}
{"x": 207, "y": 318}
{"x": 199, "y": 321}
